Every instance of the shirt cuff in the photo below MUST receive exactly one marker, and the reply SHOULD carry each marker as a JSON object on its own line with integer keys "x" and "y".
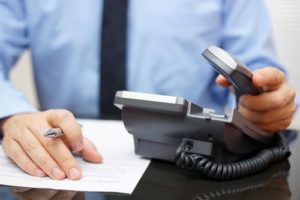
{"x": 12, "y": 101}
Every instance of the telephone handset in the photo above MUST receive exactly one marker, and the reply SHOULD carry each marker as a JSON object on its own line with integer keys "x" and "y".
{"x": 232, "y": 69}
{"x": 218, "y": 145}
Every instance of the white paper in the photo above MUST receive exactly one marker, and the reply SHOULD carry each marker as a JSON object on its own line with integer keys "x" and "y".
{"x": 120, "y": 171}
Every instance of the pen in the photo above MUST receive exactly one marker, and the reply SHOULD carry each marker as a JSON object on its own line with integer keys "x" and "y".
{"x": 55, "y": 132}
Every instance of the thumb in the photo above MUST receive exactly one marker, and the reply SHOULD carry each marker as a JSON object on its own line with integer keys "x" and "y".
{"x": 268, "y": 78}
{"x": 89, "y": 152}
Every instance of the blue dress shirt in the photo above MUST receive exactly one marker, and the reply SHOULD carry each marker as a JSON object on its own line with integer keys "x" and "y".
{"x": 165, "y": 41}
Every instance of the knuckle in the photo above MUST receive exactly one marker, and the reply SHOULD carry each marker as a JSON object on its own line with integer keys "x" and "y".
{"x": 66, "y": 161}
{"x": 278, "y": 74}
{"x": 12, "y": 123}
{"x": 277, "y": 101}
{"x": 48, "y": 142}
{"x": 49, "y": 112}
{"x": 46, "y": 164}
{"x": 30, "y": 147}
{"x": 29, "y": 167}
{"x": 63, "y": 114}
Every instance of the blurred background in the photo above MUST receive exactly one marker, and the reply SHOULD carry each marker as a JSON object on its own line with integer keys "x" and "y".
{"x": 286, "y": 25}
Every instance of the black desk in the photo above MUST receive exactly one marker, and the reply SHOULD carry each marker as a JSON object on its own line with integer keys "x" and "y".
{"x": 164, "y": 181}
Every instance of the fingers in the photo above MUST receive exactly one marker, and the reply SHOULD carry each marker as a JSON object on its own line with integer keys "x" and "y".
{"x": 269, "y": 100}
{"x": 90, "y": 153}
{"x": 276, "y": 126}
{"x": 66, "y": 121}
{"x": 18, "y": 155}
{"x": 52, "y": 156}
{"x": 62, "y": 155}
{"x": 59, "y": 152}
{"x": 272, "y": 111}
{"x": 39, "y": 154}
{"x": 268, "y": 77}
{"x": 269, "y": 116}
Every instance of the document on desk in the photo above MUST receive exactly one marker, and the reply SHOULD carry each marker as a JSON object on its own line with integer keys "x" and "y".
{"x": 120, "y": 171}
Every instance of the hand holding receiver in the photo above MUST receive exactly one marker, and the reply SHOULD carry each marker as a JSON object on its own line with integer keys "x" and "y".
{"x": 273, "y": 109}
{"x": 263, "y": 97}
{"x": 37, "y": 155}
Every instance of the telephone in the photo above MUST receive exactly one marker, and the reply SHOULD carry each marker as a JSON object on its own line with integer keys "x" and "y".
{"x": 217, "y": 145}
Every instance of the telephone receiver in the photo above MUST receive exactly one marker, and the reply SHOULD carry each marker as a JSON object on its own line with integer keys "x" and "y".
{"x": 217, "y": 145}
{"x": 232, "y": 69}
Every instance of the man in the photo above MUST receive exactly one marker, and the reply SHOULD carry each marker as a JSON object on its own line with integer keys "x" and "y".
{"x": 164, "y": 42}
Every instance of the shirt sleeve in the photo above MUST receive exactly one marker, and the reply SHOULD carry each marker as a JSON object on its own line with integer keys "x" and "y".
{"x": 13, "y": 41}
{"x": 247, "y": 33}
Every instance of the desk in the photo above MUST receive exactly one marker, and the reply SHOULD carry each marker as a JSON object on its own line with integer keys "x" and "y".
{"x": 164, "y": 181}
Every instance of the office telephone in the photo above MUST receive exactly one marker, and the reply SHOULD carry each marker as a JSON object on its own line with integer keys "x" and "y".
{"x": 217, "y": 145}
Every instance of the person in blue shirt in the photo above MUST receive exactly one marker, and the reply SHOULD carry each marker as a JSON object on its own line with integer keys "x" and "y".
{"x": 165, "y": 41}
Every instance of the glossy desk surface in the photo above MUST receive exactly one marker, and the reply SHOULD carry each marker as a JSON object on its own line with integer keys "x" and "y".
{"x": 165, "y": 181}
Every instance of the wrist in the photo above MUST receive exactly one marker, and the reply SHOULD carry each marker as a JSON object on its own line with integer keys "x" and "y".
{"x": 2, "y": 123}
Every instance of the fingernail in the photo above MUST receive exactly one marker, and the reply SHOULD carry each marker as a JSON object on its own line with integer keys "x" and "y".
{"x": 74, "y": 174}
{"x": 78, "y": 146}
{"x": 57, "y": 173}
{"x": 39, "y": 173}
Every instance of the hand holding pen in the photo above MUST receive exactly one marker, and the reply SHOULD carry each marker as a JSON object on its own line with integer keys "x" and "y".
{"x": 24, "y": 142}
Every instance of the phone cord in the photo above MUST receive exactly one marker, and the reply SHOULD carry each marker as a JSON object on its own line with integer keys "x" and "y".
{"x": 225, "y": 171}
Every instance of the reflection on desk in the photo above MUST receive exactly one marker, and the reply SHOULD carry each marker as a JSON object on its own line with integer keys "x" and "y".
{"x": 165, "y": 182}
{"x": 39, "y": 194}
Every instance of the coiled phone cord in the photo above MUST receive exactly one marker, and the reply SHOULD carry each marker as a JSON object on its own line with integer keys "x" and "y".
{"x": 225, "y": 171}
